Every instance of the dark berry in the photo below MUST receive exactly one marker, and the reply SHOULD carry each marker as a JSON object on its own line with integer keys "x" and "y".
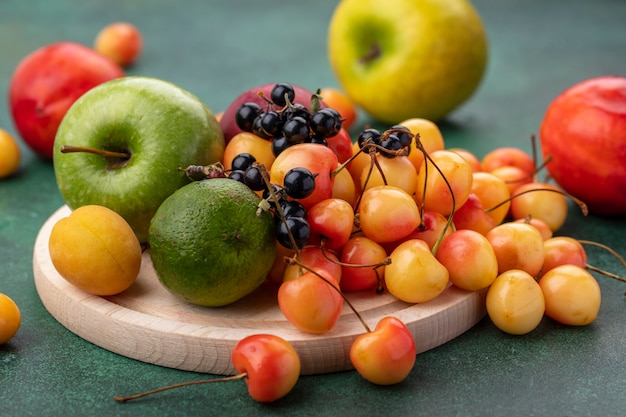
{"x": 278, "y": 94}
{"x": 253, "y": 178}
{"x": 369, "y": 136}
{"x": 279, "y": 144}
{"x": 279, "y": 192}
{"x": 237, "y": 175}
{"x": 299, "y": 182}
{"x": 299, "y": 228}
{"x": 406, "y": 137}
{"x": 257, "y": 127}
{"x": 296, "y": 110}
{"x": 326, "y": 122}
{"x": 317, "y": 139}
{"x": 293, "y": 208}
{"x": 271, "y": 123}
{"x": 391, "y": 143}
{"x": 296, "y": 130}
{"x": 242, "y": 161}
{"x": 245, "y": 115}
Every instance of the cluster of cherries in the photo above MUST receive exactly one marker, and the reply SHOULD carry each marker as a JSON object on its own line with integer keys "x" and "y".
{"x": 286, "y": 123}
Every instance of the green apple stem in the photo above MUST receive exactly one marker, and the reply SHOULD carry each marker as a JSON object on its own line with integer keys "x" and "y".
{"x": 374, "y": 52}
{"x": 182, "y": 384}
{"x": 102, "y": 152}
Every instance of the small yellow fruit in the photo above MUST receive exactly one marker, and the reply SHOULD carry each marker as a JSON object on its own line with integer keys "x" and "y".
{"x": 10, "y": 318}
{"x": 96, "y": 250}
{"x": 10, "y": 154}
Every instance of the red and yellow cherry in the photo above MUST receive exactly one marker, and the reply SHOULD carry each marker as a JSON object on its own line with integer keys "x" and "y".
{"x": 454, "y": 173}
{"x": 493, "y": 193}
{"x": 344, "y": 187}
{"x": 434, "y": 227}
{"x": 318, "y": 159}
{"x": 572, "y": 295}
{"x": 332, "y": 221}
{"x": 387, "y": 213}
{"x": 276, "y": 274}
{"x": 430, "y": 138}
{"x": 517, "y": 246}
{"x": 470, "y": 157}
{"x": 309, "y": 302}
{"x": 508, "y": 156}
{"x": 540, "y": 225}
{"x": 469, "y": 259}
{"x": 246, "y": 142}
{"x": 563, "y": 250}
{"x": 414, "y": 275}
{"x": 360, "y": 161}
{"x": 584, "y": 132}
{"x": 271, "y": 365}
{"x": 472, "y": 216}
{"x": 268, "y": 364}
{"x": 360, "y": 251}
{"x": 512, "y": 176}
{"x": 312, "y": 257}
{"x": 341, "y": 144}
{"x": 515, "y": 302}
{"x": 540, "y": 201}
{"x": 397, "y": 171}
{"x": 385, "y": 355}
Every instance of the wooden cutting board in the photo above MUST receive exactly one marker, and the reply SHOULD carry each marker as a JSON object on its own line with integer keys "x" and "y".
{"x": 149, "y": 324}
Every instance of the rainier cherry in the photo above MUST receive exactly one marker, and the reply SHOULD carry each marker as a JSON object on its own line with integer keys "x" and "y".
{"x": 367, "y": 257}
{"x": 310, "y": 303}
{"x": 517, "y": 246}
{"x": 331, "y": 221}
{"x": 572, "y": 295}
{"x": 493, "y": 193}
{"x": 387, "y": 213}
{"x": 397, "y": 171}
{"x": 563, "y": 250}
{"x": 541, "y": 201}
{"x": 313, "y": 257}
{"x": 508, "y": 156}
{"x": 386, "y": 355}
{"x": 469, "y": 259}
{"x": 414, "y": 275}
{"x": 268, "y": 364}
{"x": 515, "y": 302}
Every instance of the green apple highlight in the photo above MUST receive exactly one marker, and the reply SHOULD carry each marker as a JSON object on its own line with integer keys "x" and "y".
{"x": 122, "y": 144}
{"x": 399, "y": 59}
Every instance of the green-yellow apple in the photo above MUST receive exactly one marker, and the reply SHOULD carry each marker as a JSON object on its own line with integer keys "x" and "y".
{"x": 47, "y": 82}
{"x": 399, "y": 59}
{"x": 121, "y": 145}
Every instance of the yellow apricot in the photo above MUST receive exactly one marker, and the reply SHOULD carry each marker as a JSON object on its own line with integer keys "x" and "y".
{"x": 96, "y": 250}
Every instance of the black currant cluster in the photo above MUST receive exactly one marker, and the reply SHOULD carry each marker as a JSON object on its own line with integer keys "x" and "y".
{"x": 387, "y": 143}
{"x": 286, "y": 123}
{"x": 289, "y": 215}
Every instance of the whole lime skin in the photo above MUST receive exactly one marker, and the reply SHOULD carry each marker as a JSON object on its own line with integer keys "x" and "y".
{"x": 209, "y": 243}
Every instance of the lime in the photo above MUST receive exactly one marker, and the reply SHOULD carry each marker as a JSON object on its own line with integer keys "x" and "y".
{"x": 209, "y": 245}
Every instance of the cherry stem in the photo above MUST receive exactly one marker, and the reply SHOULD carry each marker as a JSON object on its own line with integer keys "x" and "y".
{"x": 101, "y": 152}
{"x": 182, "y": 384}
{"x": 289, "y": 260}
{"x": 605, "y": 247}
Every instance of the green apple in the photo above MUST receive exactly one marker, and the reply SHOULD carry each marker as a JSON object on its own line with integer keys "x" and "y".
{"x": 399, "y": 59}
{"x": 122, "y": 144}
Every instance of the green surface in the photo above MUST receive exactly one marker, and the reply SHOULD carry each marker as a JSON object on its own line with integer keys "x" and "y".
{"x": 218, "y": 49}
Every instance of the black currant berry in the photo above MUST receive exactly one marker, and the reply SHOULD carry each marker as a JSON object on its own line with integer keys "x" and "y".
{"x": 278, "y": 94}
{"x": 293, "y": 208}
{"x": 299, "y": 228}
{"x": 237, "y": 175}
{"x": 253, "y": 178}
{"x": 257, "y": 127}
{"x": 245, "y": 115}
{"x": 296, "y": 130}
{"x": 406, "y": 137}
{"x": 316, "y": 139}
{"x": 299, "y": 183}
{"x": 271, "y": 123}
{"x": 295, "y": 110}
{"x": 326, "y": 122}
{"x": 368, "y": 136}
{"x": 279, "y": 144}
{"x": 242, "y": 161}
{"x": 391, "y": 143}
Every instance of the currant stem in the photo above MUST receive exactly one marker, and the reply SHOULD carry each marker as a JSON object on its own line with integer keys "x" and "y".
{"x": 101, "y": 152}
{"x": 182, "y": 384}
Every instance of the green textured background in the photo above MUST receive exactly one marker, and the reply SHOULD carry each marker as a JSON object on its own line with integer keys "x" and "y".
{"x": 218, "y": 49}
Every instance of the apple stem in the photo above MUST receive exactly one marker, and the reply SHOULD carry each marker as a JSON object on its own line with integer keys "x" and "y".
{"x": 373, "y": 53}
{"x": 106, "y": 154}
{"x": 182, "y": 384}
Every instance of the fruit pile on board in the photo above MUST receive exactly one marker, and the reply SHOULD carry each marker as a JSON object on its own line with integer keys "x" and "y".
{"x": 275, "y": 190}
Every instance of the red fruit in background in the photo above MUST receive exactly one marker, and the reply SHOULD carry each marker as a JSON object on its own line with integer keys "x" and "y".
{"x": 227, "y": 122}
{"x": 47, "y": 82}
{"x": 584, "y": 131}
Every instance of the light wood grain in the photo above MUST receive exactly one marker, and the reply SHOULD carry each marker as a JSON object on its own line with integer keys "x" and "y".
{"x": 149, "y": 324}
